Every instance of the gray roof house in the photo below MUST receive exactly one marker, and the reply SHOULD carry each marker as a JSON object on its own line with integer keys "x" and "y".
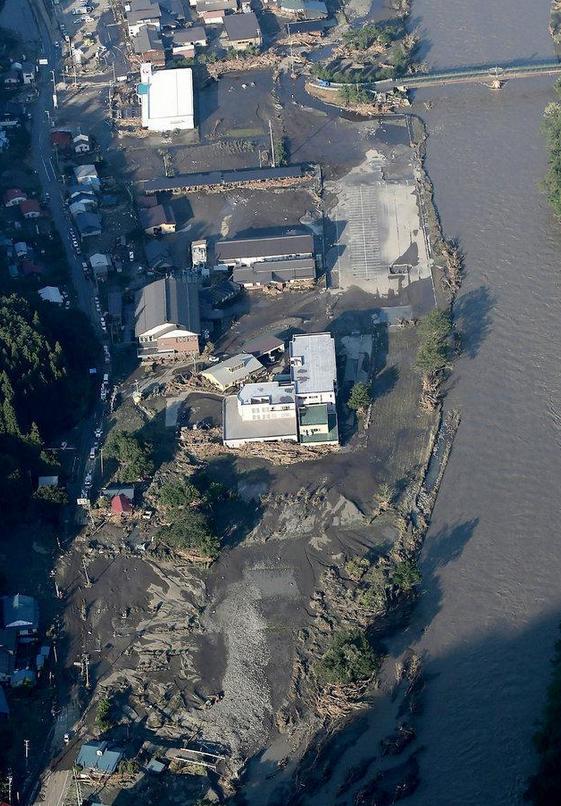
{"x": 242, "y": 30}
{"x": 21, "y": 614}
{"x": 276, "y": 272}
{"x": 158, "y": 255}
{"x": 167, "y": 319}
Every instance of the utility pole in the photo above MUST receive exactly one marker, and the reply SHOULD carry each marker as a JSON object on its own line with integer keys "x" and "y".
{"x": 101, "y": 461}
{"x": 272, "y": 145}
{"x": 10, "y": 779}
{"x": 26, "y": 749}
{"x": 87, "y": 576}
{"x": 86, "y": 669}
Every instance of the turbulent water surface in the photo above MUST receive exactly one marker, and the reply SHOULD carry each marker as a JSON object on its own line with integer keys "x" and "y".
{"x": 492, "y": 559}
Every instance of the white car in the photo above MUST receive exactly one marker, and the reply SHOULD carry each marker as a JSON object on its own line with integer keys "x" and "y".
{"x": 92, "y": 453}
{"x": 88, "y": 19}
{"x": 98, "y": 433}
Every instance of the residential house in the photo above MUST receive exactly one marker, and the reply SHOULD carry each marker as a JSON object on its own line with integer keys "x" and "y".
{"x": 310, "y": 27}
{"x": 300, "y": 272}
{"x": 8, "y": 647}
{"x": 51, "y": 294}
{"x": 167, "y": 319}
{"x": 233, "y": 371}
{"x": 213, "y": 17}
{"x": 225, "y": 6}
{"x": 61, "y": 140}
{"x": 13, "y": 197}
{"x": 87, "y": 175}
{"x": 157, "y": 220}
{"x": 115, "y": 307}
{"x": 21, "y": 614}
{"x": 30, "y": 208}
{"x": 4, "y": 709}
{"x": 21, "y": 249}
{"x": 313, "y": 371}
{"x": 188, "y": 38}
{"x": 81, "y": 144}
{"x": 100, "y": 265}
{"x": 263, "y": 412}
{"x": 243, "y": 31}
{"x": 12, "y": 114}
{"x": 28, "y": 73}
{"x": 31, "y": 269}
{"x": 304, "y": 9}
{"x": 97, "y": 759}
{"x": 149, "y": 47}
{"x": 83, "y": 203}
{"x": 118, "y": 489}
{"x": 88, "y": 224}
{"x": 11, "y": 78}
{"x": 221, "y": 294}
{"x": 158, "y": 255}
{"x": 175, "y": 8}
{"x": 267, "y": 345}
{"x": 120, "y": 505}
{"x": 138, "y": 18}
{"x": 247, "y": 251}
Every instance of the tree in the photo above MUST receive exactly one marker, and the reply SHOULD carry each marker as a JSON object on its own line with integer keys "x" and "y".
{"x": 405, "y": 575}
{"x": 132, "y": 453}
{"x": 348, "y": 659}
{"x": 360, "y": 397}
{"x": 435, "y": 329}
{"x": 281, "y": 151}
{"x": 103, "y": 714}
{"x": 178, "y": 494}
{"x": 357, "y": 568}
{"x": 191, "y": 532}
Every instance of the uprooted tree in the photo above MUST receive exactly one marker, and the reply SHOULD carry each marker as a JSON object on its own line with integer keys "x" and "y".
{"x": 191, "y": 533}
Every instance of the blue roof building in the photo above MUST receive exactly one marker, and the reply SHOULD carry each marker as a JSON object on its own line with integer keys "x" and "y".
{"x": 99, "y": 757}
{"x": 21, "y": 613}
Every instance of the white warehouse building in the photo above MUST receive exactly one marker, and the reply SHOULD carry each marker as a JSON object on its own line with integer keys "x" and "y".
{"x": 167, "y": 99}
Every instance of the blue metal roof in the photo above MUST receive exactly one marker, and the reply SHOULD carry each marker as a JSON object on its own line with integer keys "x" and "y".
{"x": 98, "y": 756}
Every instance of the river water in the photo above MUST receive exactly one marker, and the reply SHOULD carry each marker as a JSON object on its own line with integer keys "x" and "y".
{"x": 492, "y": 559}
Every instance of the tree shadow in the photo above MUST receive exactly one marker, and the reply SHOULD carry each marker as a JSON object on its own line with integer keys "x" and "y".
{"x": 472, "y": 314}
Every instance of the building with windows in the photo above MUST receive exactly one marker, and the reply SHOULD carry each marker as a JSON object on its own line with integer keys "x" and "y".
{"x": 243, "y": 31}
{"x": 167, "y": 320}
{"x": 260, "y": 412}
{"x": 313, "y": 371}
{"x": 300, "y": 408}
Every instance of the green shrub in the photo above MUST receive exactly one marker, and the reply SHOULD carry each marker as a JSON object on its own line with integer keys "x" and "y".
{"x": 360, "y": 397}
{"x": 348, "y": 659}
{"x": 133, "y": 454}
{"x": 178, "y": 494}
{"x": 406, "y": 574}
{"x": 191, "y": 532}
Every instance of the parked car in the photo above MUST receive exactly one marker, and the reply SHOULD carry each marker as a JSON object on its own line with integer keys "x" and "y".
{"x": 98, "y": 433}
{"x": 213, "y": 359}
{"x": 131, "y": 255}
{"x": 92, "y": 453}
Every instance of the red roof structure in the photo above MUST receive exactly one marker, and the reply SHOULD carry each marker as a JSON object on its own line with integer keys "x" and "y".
{"x": 30, "y": 206}
{"x": 13, "y": 194}
{"x": 28, "y": 267}
{"x": 121, "y": 505}
{"x": 61, "y": 139}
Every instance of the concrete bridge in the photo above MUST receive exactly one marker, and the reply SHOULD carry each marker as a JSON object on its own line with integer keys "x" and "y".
{"x": 493, "y": 75}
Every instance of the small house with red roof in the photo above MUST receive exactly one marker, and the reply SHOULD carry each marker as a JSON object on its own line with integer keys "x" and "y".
{"x": 28, "y": 267}
{"x": 13, "y": 197}
{"x": 120, "y": 505}
{"x": 61, "y": 140}
{"x": 30, "y": 208}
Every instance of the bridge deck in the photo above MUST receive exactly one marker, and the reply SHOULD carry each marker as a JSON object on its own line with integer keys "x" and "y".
{"x": 471, "y": 74}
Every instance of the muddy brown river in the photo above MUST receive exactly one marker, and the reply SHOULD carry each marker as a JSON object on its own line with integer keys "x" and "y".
{"x": 492, "y": 559}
